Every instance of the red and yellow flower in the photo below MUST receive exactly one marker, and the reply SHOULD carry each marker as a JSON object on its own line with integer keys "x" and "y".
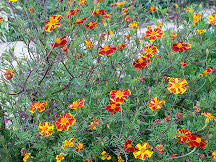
{"x": 46, "y": 129}
{"x": 105, "y": 156}
{"x": 99, "y": 12}
{"x": 76, "y": 104}
{"x": 106, "y": 18}
{"x": 68, "y": 143}
{"x": 200, "y": 31}
{"x": 82, "y": 2}
{"x": 120, "y": 159}
{"x": 207, "y": 71}
{"x": 142, "y": 152}
{"x": 180, "y": 47}
{"x": 92, "y": 25}
{"x": 141, "y": 63}
{"x": 87, "y": 161}
{"x": 113, "y": 107}
{"x": 177, "y": 85}
{"x": 52, "y": 23}
{"x": 196, "y": 17}
{"x": 173, "y": 35}
{"x": 119, "y": 4}
{"x": 197, "y": 142}
{"x": 149, "y": 51}
{"x": 124, "y": 11}
{"x": 59, "y": 42}
{"x": 213, "y": 155}
{"x": 72, "y": 12}
{"x": 64, "y": 122}
{"x": 184, "y": 136}
{"x": 153, "y": 34}
{"x": 89, "y": 44}
{"x": 79, "y": 21}
{"x": 188, "y": 10}
{"x": 155, "y": 103}
{"x": 183, "y": 64}
{"x": 212, "y": 19}
{"x": 134, "y": 25}
{"x": 108, "y": 50}
{"x": 60, "y": 157}
{"x": 128, "y": 146}
{"x": 79, "y": 147}
{"x": 40, "y": 106}
{"x": 93, "y": 124}
{"x": 152, "y": 9}
{"x": 1, "y": 20}
{"x": 27, "y": 155}
{"x": 9, "y": 74}
{"x": 119, "y": 96}
{"x": 120, "y": 46}
{"x": 209, "y": 116}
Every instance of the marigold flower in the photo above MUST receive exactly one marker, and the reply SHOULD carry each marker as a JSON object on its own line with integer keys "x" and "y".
{"x": 152, "y": 9}
{"x": 127, "y": 19}
{"x": 124, "y": 11}
{"x": 91, "y": 25}
{"x": 197, "y": 142}
{"x": 155, "y": 103}
{"x": 59, "y": 42}
{"x": 196, "y": 17}
{"x": 160, "y": 148}
{"x": 119, "y": 96}
{"x": 153, "y": 34}
{"x": 176, "y": 85}
{"x": 68, "y": 143}
{"x": 40, "y": 106}
{"x": 46, "y": 129}
{"x": 82, "y": 2}
{"x": 106, "y": 18}
{"x": 179, "y": 47}
{"x": 112, "y": 35}
{"x": 208, "y": 115}
{"x": 200, "y": 31}
{"x": 213, "y": 155}
{"x": 13, "y": 0}
{"x": 119, "y": 4}
{"x": 173, "y": 35}
{"x": 1, "y": 20}
{"x": 79, "y": 55}
{"x": 128, "y": 36}
{"x": 89, "y": 44}
{"x": 128, "y": 146}
{"x": 76, "y": 104}
{"x": 143, "y": 152}
{"x": 72, "y": 12}
{"x": 79, "y": 21}
{"x": 64, "y": 122}
{"x": 120, "y": 159}
{"x": 113, "y": 107}
{"x": 108, "y": 50}
{"x": 159, "y": 24}
{"x": 141, "y": 63}
{"x": 99, "y": 12}
{"x": 79, "y": 147}
{"x": 207, "y": 71}
{"x": 184, "y": 137}
{"x": 105, "y": 156}
{"x": 60, "y": 157}
{"x": 183, "y": 64}
{"x": 134, "y": 25}
{"x": 31, "y": 10}
{"x": 120, "y": 46}
{"x": 26, "y": 157}
{"x": 87, "y": 161}
{"x": 92, "y": 126}
{"x": 188, "y": 10}
{"x": 212, "y": 19}
{"x": 102, "y": 36}
{"x": 52, "y": 23}
{"x": 9, "y": 74}
{"x": 149, "y": 51}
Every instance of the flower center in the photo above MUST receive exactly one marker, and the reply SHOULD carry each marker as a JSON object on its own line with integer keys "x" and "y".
{"x": 91, "y": 24}
{"x": 153, "y": 33}
{"x": 113, "y": 106}
{"x": 106, "y": 48}
{"x": 52, "y": 21}
{"x": 198, "y": 140}
{"x": 45, "y": 129}
{"x": 179, "y": 45}
{"x": 119, "y": 94}
{"x": 64, "y": 121}
{"x": 129, "y": 145}
{"x": 177, "y": 85}
{"x": 58, "y": 40}
{"x": 143, "y": 150}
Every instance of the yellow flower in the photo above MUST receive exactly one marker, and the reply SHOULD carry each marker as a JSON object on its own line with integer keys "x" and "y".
{"x": 142, "y": 152}
{"x": 159, "y": 24}
{"x": 26, "y": 157}
{"x": 111, "y": 34}
{"x": 82, "y": 2}
{"x": 134, "y": 25}
{"x": 60, "y": 157}
{"x": 13, "y": 0}
{"x": 105, "y": 156}
{"x": 212, "y": 19}
{"x": 79, "y": 147}
{"x": 119, "y": 4}
{"x": 69, "y": 143}
{"x": 200, "y": 31}
{"x": 196, "y": 17}
{"x": 120, "y": 159}
{"x": 214, "y": 154}
{"x": 208, "y": 115}
{"x": 89, "y": 44}
{"x": 176, "y": 85}
{"x": 92, "y": 126}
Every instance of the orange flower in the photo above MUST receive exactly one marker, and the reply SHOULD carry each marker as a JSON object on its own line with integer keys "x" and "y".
{"x": 46, "y": 129}
{"x": 200, "y": 31}
{"x": 155, "y": 103}
{"x": 106, "y": 18}
{"x": 79, "y": 147}
{"x": 212, "y": 19}
{"x": 82, "y": 2}
{"x": 26, "y": 157}
{"x": 153, "y": 34}
{"x": 189, "y": 10}
{"x": 127, "y": 19}
{"x": 92, "y": 126}
{"x": 197, "y": 142}
{"x": 118, "y": 96}
{"x": 183, "y": 64}
{"x": 128, "y": 36}
{"x": 141, "y": 63}
{"x": 72, "y": 12}
{"x": 99, "y": 12}
{"x": 184, "y": 137}
{"x": 124, "y": 11}
{"x": 128, "y": 146}
{"x": 208, "y": 115}
{"x": 113, "y": 107}
{"x": 196, "y": 17}
{"x": 76, "y": 104}
{"x": 214, "y": 155}
{"x": 67, "y": 143}
{"x": 60, "y": 157}
{"x": 9, "y": 74}
{"x": 59, "y": 42}
{"x": 120, "y": 46}
{"x": 91, "y": 25}
{"x": 149, "y": 51}
{"x": 142, "y": 152}
{"x": 160, "y": 148}
{"x": 31, "y": 10}
{"x": 107, "y": 50}
{"x": 173, "y": 35}
{"x": 79, "y": 21}
{"x": 52, "y": 23}
{"x": 159, "y": 24}
{"x": 176, "y": 85}
{"x": 207, "y": 71}
{"x": 40, "y": 106}
{"x": 119, "y": 4}
{"x": 64, "y": 122}
{"x": 134, "y": 25}
{"x": 105, "y": 156}
{"x": 89, "y": 44}
{"x": 152, "y": 9}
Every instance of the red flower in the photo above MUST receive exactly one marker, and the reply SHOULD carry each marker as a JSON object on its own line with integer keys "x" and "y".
{"x": 113, "y": 107}
{"x": 52, "y": 23}
{"x": 40, "y": 106}
{"x": 99, "y": 12}
{"x": 119, "y": 96}
{"x": 79, "y": 21}
{"x": 106, "y": 50}
{"x": 128, "y": 146}
{"x": 59, "y": 42}
{"x": 207, "y": 71}
{"x": 64, "y": 122}
{"x": 91, "y": 25}
{"x": 153, "y": 34}
{"x": 141, "y": 62}
{"x": 72, "y": 12}
{"x": 152, "y": 9}
{"x": 179, "y": 47}
{"x": 197, "y": 142}
{"x": 184, "y": 137}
